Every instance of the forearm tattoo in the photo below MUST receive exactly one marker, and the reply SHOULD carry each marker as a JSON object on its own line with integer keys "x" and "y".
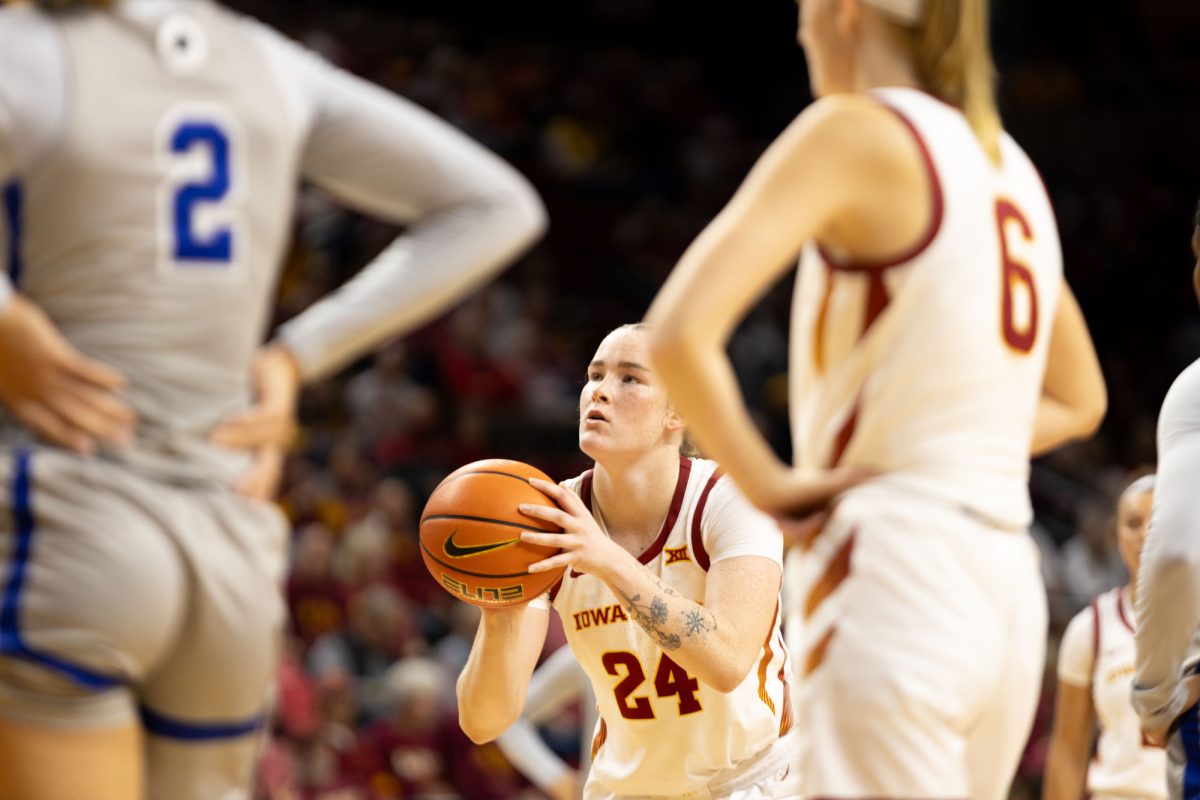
{"x": 653, "y": 616}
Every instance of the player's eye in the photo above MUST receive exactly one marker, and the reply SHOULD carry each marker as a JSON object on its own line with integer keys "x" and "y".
{"x": 595, "y": 376}
{"x": 630, "y": 379}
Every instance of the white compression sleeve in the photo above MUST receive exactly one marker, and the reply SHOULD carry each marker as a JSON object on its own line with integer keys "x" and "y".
{"x": 1168, "y": 589}
{"x": 469, "y": 213}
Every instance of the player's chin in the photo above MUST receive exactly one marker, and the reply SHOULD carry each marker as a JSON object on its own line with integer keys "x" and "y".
{"x": 595, "y": 443}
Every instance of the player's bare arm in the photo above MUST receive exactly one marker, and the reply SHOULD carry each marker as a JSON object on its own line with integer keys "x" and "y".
{"x": 1070, "y": 743}
{"x": 717, "y": 641}
{"x": 491, "y": 689}
{"x": 1074, "y": 397}
{"x": 807, "y": 186}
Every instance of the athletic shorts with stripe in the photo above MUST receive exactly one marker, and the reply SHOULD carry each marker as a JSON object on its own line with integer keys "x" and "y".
{"x": 924, "y": 647}
{"x": 123, "y": 597}
{"x": 1183, "y": 757}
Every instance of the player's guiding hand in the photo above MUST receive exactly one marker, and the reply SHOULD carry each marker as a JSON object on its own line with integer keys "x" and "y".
{"x": 53, "y": 389}
{"x": 1158, "y": 736}
{"x": 585, "y": 548}
{"x": 268, "y": 427}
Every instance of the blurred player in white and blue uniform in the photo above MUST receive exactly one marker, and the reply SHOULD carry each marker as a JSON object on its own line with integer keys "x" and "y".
{"x": 1166, "y": 687}
{"x": 154, "y": 149}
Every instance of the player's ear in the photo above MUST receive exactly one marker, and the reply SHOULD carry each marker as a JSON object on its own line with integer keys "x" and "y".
{"x": 673, "y": 422}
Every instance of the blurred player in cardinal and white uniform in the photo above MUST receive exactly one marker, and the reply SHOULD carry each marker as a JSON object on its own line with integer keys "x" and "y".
{"x": 934, "y": 344}
{"x": 670, "y": 604}
{"x": 153, "y": 150}
{"x": 1095, "y": 672}
{"x": 1167, "y": 685}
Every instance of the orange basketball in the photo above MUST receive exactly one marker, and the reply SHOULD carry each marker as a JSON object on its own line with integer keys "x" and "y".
{"x": 471, "y": 529}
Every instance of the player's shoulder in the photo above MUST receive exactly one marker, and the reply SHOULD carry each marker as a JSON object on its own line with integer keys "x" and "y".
{"x": 1081, "y": 631}
{"x": 292, "y": 55}
{"x": 856, "y": 124}
{"x": 1181, "y": 407}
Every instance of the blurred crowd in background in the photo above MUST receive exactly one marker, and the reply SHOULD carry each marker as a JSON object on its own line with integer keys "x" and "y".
{"x": 636, "y": 120}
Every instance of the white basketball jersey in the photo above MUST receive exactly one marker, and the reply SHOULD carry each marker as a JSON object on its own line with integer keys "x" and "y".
{"x": 928, "y": 367}
{"x": 662, "y": 732}
{"x": 1098, "y": 650}
{"x": 153, "y": 153}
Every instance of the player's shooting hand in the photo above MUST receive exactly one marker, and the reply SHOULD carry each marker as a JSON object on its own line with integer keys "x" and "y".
{"x": 585, "y": 547}
{"x": 269, "y": 426}
{"x": 60, "y": 394}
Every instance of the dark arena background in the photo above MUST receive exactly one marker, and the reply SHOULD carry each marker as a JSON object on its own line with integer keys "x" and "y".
{"x": 636, "y": 120}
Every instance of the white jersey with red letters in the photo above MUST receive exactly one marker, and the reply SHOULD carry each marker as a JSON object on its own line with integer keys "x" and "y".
{"x": 928, "y": 366}
{"x": 662, "y": 732}
{"x": 1097, "y": 651}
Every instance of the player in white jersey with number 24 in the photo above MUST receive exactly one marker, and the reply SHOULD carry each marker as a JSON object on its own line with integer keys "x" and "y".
{"x": 670, "y": 603}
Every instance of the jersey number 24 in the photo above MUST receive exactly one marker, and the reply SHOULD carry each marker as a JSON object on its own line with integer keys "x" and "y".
{"x": 670, "y": 680}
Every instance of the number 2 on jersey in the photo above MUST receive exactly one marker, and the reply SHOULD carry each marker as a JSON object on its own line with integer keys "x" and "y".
{"x": 1019, "y": 332}
{"x": 670, "y": 680}
{"x": 198, "y": 150}
{"x": 217, "y": 246}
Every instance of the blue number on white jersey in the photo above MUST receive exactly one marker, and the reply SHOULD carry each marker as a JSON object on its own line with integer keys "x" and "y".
{"x": 217, "y": 247}
{"x": 200, "y": 232}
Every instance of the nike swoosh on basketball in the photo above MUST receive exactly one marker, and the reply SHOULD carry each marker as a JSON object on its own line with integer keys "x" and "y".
{"x": 460, "y": 551}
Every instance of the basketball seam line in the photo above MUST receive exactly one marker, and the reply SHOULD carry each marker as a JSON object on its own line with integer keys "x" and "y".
{"x": 520, "y": 478}
{"x": 470, "y": 518}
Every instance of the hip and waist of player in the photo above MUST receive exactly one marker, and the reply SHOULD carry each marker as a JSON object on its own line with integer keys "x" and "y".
{"x": 750, "y": 777}
{"x": 1001, "y": 506}
{"x": 157, "y": 453}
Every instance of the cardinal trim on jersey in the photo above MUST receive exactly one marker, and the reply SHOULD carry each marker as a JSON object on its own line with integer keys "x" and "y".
{"x": 460, "y": 551}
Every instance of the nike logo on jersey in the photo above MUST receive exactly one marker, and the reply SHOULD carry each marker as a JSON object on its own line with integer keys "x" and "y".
{"x": 455, "y": 550}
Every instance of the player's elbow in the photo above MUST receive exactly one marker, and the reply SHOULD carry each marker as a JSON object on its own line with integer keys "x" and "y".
{"x": 670, "y": 338}
{"x": 527, "y": 212}
{"x": 1090, "y": 411}
{"x": 728, "y": 676}
{"x": 483, "y": 716}
{"x": 482, "y": 728}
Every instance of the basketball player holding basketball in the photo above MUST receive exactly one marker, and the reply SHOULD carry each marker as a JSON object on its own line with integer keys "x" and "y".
{"x": 1095, "y": 672}
{"x": 670, "y": 603}
{"x": 157, "y": 146}
{"x": 1167, "y": 684}
{"x": 930, "y": 299}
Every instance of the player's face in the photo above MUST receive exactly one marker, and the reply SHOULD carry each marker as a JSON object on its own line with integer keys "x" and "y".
{"x": 1133, "y": 517}
{"x": 825, "y": 32}
{"x": 623, "y": 407}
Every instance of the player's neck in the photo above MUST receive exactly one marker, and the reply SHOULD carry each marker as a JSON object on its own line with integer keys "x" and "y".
{"x": 885, "y": 64}
{"x": 634, "y": 497}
